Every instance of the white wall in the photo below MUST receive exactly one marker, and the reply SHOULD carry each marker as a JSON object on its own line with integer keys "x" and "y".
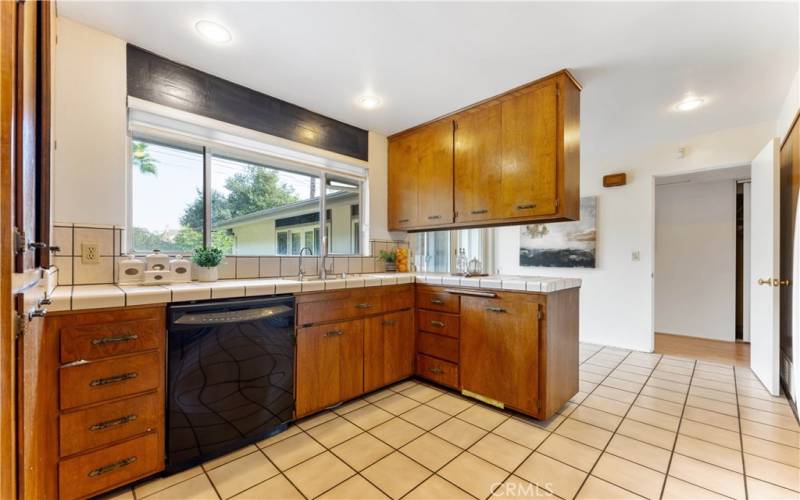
{"x": 617, "y": 296}
{"x": 789, "y": 109}
{"x": 89, "y": 126}
{"x": 695, "y": 259}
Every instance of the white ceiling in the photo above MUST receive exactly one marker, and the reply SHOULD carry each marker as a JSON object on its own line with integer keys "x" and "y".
{"x": 635, "y": 60}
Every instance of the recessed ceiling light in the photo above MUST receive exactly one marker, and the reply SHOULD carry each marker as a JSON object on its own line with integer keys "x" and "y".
{"x": 369, "y": 101}
{"x": 690, "y": 103}
{"x": 213, "y": 31}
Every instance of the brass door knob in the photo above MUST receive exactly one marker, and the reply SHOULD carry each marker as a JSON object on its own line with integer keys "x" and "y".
{"x": 767, "y": 281}
{"x": 784, "y": 282}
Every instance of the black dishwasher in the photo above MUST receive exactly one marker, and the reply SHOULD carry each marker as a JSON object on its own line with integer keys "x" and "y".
{"x": 230, "y": 376}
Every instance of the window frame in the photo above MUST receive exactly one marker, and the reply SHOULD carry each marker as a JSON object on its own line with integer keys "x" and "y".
{"x": 209, "y": 151}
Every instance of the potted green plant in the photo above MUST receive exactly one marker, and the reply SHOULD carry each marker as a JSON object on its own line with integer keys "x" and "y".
{"x": 389, "y": 257}
{"x": 207, "y": 259}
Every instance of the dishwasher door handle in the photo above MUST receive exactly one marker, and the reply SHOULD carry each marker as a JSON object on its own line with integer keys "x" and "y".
{"x": 242, "y": 316}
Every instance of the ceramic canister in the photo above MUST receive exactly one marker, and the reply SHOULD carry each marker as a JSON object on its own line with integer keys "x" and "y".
{"x": 181, "y": 270}
{"x": 131, "y": 271}
{"x": 157, "y": 261}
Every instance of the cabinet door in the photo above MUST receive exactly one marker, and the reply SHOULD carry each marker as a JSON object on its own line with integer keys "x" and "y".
{"x": 330, "y": 365}
{"x": 530, "y": 153}
{"x": 499, "y": 355}
{"x": 388, "y": 349}
{"x": 435, "y": 183}
{"x": 477, "y": 167}
{"x": 402, "y": 182}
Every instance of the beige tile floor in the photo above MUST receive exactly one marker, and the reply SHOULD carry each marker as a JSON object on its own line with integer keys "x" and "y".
{"x": 642, "y": 425}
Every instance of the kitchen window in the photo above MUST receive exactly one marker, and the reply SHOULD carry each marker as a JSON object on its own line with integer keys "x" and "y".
{"x": 173, "y": 176}
{"x": 241, "y": 203}
{"x": 437, "y": 251}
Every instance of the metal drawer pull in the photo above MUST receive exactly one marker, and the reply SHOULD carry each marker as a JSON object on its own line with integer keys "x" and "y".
{"x": 526, "y": 206}
{"x": 112, "y": 467}
{"x": 112, "y": 423}
{"x": 402, "y": 221}
{"x": 113, "y": 380}
{"x": 434, "y": 322}
{"x": 436, "y": 370}
{"x": 478, "y": 212}
{"x": 364, "y": 305}
{"x": 388, "y": 322}
{"x": 474, "y": 293}
{"x": 496, "y": 309}
{"x": 438, "y": 302}
{"x": 434, "y": 217}
{"x": 115, "y": 340}
{"x": 334, "y": 333}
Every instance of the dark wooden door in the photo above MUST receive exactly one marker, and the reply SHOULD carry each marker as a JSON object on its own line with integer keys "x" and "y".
{"x": 402, "y": 182}
{"x": 435, "y": 172}
{"x": 27, "y": 459}
{"x": 530, "y": 152}
{"x": 477, "y": 167}
{"x": 499, "y": 349}
{"x": 789, "y": 184}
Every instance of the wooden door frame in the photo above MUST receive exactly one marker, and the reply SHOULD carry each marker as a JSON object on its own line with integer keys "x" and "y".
{"x": 8, "y": 407}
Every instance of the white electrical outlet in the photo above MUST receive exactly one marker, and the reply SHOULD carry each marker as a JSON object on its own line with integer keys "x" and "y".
{"x": 90, "y": 253}
{"x": 636, "y": 256}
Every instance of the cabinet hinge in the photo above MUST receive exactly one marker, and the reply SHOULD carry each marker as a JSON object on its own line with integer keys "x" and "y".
{"x": 19, "y": 324}
{"x": 556, "y": 203}
{"x": 19, "y": 241}
{"x": 539, "y": 315}
{"x": 455, "y": 125}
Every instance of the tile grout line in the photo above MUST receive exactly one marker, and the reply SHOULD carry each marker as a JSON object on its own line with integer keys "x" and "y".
{"x": 741, "y": 440}
{"x": 614, "y": 432}
{"x": 677, "y": 434}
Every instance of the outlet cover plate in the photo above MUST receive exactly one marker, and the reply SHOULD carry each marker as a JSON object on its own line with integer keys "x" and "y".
{"x": 90, "y": 253}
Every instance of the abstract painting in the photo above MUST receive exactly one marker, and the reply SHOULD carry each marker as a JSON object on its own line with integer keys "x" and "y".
{"x": 561, "y": 244}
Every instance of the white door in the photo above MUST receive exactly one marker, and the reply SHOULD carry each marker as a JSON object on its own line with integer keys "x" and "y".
{"x": 764, "y": 266}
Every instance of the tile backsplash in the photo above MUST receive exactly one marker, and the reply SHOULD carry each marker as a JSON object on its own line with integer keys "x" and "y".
{"x": 111, "y": 243}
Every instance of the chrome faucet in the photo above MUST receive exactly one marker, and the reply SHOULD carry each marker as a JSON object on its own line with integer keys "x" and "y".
{"x": 323, "y": 270}
{"x": 300, "y": 259}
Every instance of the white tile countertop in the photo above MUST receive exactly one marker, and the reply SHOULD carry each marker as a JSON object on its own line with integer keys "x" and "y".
{"x": 78, "y": 297}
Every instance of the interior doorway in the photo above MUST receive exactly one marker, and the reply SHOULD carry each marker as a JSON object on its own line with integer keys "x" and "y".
{"x": 701, "y": 266}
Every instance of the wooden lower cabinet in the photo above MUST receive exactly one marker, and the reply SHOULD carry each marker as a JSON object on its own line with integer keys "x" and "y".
{"x": 517, "y": 349}
{"x": 109, "y": 381}
{"x": 330, "y": 365}
{"x": 370, "y": 345}
{"x": 499, "y": 349}
{"x": 388, "y": 349}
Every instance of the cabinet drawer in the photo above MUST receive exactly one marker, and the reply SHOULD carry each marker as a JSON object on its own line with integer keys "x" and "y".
{"x": 436, "y": 322}
{"x": 438, "y": 346}
{"x": 439, "y": 371}
{"x": 108, "y": 379}
{"x": 110, "y": 467}
{"x": 438, "y": 301}
{"x": 100, "y": 425}
{"x": 109, "y": 339}
{"x": 338, "y": 309}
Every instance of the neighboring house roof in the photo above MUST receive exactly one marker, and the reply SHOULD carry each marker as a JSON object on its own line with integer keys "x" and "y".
{"x": 274, "y": 213}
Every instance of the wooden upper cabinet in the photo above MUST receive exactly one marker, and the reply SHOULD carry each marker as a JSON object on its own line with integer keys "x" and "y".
{"x": 435, "y": 173}
{"x": 515, "y": 159}
{"x": 402, "y": 180}
{"x": 529, "y": 168}
{"x": 478, "y": 157}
